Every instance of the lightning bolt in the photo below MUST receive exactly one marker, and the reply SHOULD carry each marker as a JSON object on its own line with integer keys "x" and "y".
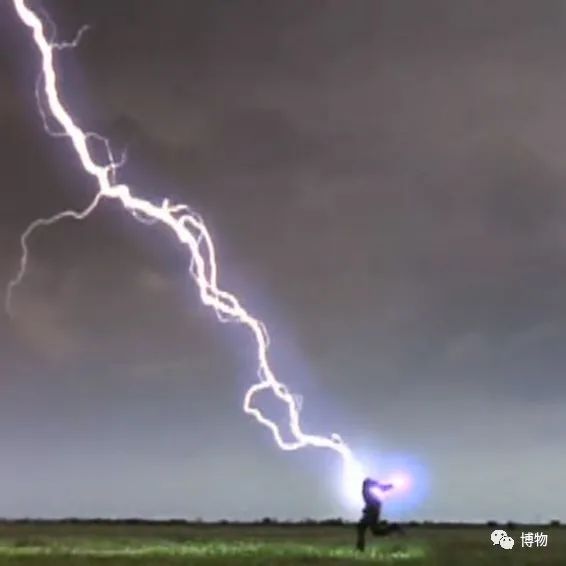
{"x": 190, "y": 231}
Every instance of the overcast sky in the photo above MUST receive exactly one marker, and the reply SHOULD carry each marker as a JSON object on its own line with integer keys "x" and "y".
{"x": 385, "y": 183}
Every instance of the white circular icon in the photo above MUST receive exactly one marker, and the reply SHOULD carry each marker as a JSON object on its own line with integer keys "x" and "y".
{"x": 501, "y": 538}
{"x": 506, "y": 542}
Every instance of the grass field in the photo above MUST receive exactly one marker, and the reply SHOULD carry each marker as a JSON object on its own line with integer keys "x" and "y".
{"x": 85, "y": 544}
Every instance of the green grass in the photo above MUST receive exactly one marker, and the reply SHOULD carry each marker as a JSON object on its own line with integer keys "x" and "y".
{"x": 143, "y": 545}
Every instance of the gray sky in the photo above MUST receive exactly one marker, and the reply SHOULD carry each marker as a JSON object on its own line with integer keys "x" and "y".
{"x": 384, "y": 182}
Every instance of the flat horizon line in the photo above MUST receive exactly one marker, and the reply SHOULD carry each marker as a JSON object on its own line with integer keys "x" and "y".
{"x": 266, "y": 521}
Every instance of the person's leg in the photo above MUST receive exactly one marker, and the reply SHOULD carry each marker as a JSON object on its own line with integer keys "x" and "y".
{"x": 382, "y": 528}
{"x": 361, "y": 534}
{"x": 396, "y": 528}
{"x": 374, "y": 520}
{"x": 379, "y": 528}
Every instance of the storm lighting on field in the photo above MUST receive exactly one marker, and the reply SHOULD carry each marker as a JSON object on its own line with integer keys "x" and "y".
{"x": 188, "y": 230}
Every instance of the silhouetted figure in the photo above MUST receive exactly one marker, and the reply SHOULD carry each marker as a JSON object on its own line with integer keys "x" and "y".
{"x": 372, "y": 512}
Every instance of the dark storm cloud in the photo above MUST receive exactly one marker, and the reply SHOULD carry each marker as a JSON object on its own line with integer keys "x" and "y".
{"x": 385, "y": 184}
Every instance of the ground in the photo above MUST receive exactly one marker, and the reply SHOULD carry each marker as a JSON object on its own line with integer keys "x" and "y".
{"x": 85, "y": 544}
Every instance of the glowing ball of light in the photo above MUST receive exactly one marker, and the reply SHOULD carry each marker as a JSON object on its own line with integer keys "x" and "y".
{"x": 401, "y": 481}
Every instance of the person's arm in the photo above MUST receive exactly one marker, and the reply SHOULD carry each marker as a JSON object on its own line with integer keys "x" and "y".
{"x": 385, "y": 486}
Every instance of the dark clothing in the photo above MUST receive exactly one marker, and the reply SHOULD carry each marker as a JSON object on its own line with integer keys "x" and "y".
{"x": 370, "y": 520}
{"x": 369, "y": 492}
{"x": 371, "y": 514}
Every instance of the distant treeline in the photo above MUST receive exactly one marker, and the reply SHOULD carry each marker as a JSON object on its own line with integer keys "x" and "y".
{"x": 267, "y": 521}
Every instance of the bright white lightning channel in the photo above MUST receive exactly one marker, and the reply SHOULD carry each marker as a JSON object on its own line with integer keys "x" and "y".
{"x": 190, "y": 231}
